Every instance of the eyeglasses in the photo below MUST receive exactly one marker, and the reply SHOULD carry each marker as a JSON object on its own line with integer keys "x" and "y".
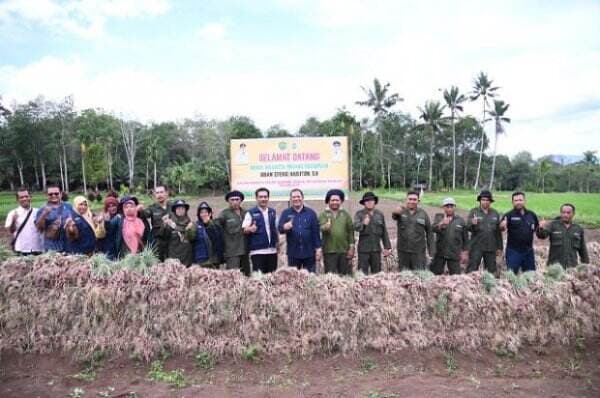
{"x": 53, "y": 193}
{"x": 24, "y": 197}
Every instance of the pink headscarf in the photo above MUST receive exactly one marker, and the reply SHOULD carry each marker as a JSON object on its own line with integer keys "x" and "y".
{"x": 133, "y": 230}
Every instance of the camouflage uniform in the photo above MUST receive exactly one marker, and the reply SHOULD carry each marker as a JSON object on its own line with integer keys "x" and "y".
{"x": 450, "y": 241}
{"x": 414, "y": 236}
{"x": 369, "y": 240}
{"x": 565, "y": 243}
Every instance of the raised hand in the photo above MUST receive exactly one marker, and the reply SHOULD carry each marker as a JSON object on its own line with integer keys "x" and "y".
{"x": 252, "y": 228}
{"x": 503, "y": 224}
{"x": 327, "y": 225}
{"x": 288, "y": 225}
{"x": 543, "y": 223}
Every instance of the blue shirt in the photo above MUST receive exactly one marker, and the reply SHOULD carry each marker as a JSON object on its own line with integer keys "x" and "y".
{"x": 520, "y": 230}
{"x": 86, "y": 242}
{"x": 57, "y": 216}
{"x": 304, "y": 237}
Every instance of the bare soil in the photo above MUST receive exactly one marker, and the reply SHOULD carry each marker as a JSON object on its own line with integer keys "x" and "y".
{"x": 534, "y": 372}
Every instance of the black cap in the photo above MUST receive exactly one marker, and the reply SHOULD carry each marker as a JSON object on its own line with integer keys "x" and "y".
{"x": 485, "y": 194}
{"x": 233, "y": 194}
{"x": 126, "y": 199}
{"x": 332, "y": 192}
{"x": 179, "y": 203}
{"x": 369, "y": 196}
{"x": 204, "y": 205}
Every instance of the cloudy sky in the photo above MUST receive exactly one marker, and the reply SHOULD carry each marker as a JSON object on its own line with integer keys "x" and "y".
{"x": 281, "y": 61}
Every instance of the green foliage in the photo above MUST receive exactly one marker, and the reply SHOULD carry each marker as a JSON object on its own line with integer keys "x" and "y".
{"x": 5, "y": 252}
{"x": 77, "y": 392}
{"x": 140, "y": 263}
{"x": 424, "y": 274}
{"x": 205, "y": 360}
{"x": 441, "y": 305}
{"x": 554, "y": 273}
{"x": 176, "y": 378}
{"x": 489, "y": 281}
{"x": 251, "y": 353}
{"x": 520, "y": 281}
{"x": 450, "y": 362}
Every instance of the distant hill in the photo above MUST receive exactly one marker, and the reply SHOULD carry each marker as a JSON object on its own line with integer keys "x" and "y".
{"x": 566, "y": 159}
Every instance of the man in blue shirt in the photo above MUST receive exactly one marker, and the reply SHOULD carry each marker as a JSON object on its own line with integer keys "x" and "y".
{"x": 521, "y": 225}
{"x": 50, "y": 220}
{"x": 301, "y": 228}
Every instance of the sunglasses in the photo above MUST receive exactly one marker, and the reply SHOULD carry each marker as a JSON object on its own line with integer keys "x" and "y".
{"x": 53, "y": 193}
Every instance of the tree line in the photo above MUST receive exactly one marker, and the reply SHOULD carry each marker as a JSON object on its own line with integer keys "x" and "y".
{"x": 441, "y": 148}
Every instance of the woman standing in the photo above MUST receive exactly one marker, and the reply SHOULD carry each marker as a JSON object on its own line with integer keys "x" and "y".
{"x": 131, "y": 234}
{"x": 207, "y": 239}
{"x": 174, "y": 231}
{"x": 81, "y": 229}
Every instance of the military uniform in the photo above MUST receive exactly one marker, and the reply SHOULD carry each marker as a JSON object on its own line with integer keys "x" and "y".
{"x": 414, "y": 236}
{"x": 451, "y": 240}
{"x": 235, "y": 244}
{"x": 370, "y": 238}
{"x": 486, "y": 238}
{"x": 565, "y": 243}
{"x": 179, "y": 245}
{"x": 155, "y": 213}
{"x": 337, "y": 241}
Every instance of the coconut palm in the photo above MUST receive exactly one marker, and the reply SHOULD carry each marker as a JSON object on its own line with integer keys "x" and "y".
{"x": 453, "y": 101}
{"x": 433, "y": 122}
{"x": 482, "y": 87}
{"x": 497, "y": 115}
{"x": 380, "y": 101}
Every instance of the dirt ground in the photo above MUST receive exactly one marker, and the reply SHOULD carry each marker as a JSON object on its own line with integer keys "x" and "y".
{"x": 535, "y": 372}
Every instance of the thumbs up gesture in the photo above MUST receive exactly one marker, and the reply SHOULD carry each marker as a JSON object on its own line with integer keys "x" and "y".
{"x": 446, "y": 220}
{"x": 503, "y": 224}
{"x": 253, "y": 228}
{"x": 327, "y": 225}
{"x": 367, "y": 219}
{"x": 543, "y": 223}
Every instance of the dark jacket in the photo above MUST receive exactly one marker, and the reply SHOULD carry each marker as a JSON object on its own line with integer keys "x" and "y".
{"x": 235, "y": 243}
{"x": 178, "y": 244}
{"x": 86, "y": 237}
{"x": 565, "y": 243}
{"x": 451, "y": 239}
{"x": 485, "y": 235}
{"x": 520, "y": 229}
{"x": 373, "y": 235}
{"x": 305, "y": 236}
{"x": 108, "y": 244}
{"x": 414, "y": 231}
{"x": 259, "y": 239}
{"x": 207, "y": 243}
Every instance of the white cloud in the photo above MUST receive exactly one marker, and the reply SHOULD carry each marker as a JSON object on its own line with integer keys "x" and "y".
{"x": 213, "y": 31}
{"x": 83, "y": 18}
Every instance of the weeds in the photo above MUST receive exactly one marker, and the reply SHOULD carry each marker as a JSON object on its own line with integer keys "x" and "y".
{"x": 251, "y": 353}
{"x": 77, "y": 393}
{"x": 175, "y": 378}
{"x": 488, "y": 280}
{"x": 368, "y": 365}
{"x": 450, "y": 362}
{"x": 205, "y": 360}
{"x": 441, "y": 305}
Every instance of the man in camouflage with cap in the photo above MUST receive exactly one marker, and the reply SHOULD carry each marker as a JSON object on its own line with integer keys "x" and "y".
{"x": 157, "y": 212}
{"x": 451, "y": 240}
{"x": 567, "y": 239}
{"x": 414, "y": 234}
{"x": 235, "y": 246}
{"x": 484, "y": 223}
{"x": 370, "y": 225}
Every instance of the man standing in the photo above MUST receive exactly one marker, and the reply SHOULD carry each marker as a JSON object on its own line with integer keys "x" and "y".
{"x": 234, "y": 240}
{"x": 486, "y": 235}
{"x": 301, "y": 227}
{"x": 50, "y": 220}
{"x": 451, "y": 240}
{"x": 263, "y": 237}
{"x": 156, "y": 213}
{"x": 338, "y": 234}
{"x": 370, "y": 225}
{"x": 521, "y": 224}
{"x": 414, "y": 233}
{"x": 566, "y": 238}
{"x": 26, "y": 239}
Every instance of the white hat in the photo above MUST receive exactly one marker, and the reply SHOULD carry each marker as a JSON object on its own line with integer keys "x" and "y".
{"x": 449, "y": 201}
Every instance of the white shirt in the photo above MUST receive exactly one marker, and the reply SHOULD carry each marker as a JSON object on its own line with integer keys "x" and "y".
{"x": 248, "y": 221}
{"x": 30, "y": 239}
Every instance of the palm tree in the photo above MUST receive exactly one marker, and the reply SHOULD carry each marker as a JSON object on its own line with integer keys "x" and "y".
{"x": 482, "y": 87}
{"x": 497, "y": 115}
{"x": 453, "y": 101}
{"x": 380, "y": 101}
{"x": 545, "y": 168}
{"x": 433, "y": 120}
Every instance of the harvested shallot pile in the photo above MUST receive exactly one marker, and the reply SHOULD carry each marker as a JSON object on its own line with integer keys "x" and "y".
{"x": 55, "y": 303}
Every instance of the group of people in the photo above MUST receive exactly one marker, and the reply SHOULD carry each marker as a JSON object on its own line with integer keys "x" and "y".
{"x": 249, "y": 239}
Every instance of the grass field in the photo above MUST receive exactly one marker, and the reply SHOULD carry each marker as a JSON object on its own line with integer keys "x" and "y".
{"x": 543, "y": 204}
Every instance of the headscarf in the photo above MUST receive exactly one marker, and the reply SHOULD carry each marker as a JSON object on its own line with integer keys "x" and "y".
{"x": 110, "y": 200}
{"x": 87, "y": 216}
{"x": 133, "y": 228}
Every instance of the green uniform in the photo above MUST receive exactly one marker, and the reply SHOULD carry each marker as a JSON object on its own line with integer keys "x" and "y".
{"x": 155, "y": 213}
{"x": 565, "y": 243}
{"x": 486, "y": 238}
{"x": 234, "y": 241}
{"x": 451, "y": 240}
{"x": 414, "y": 236}
{"x": 370, "y": 238}
{"x": 178, "y": 244}
{"x": 337, "y": 241}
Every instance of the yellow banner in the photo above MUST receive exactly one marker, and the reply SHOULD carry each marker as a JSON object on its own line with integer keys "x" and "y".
{"x": 313, "y": 164}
